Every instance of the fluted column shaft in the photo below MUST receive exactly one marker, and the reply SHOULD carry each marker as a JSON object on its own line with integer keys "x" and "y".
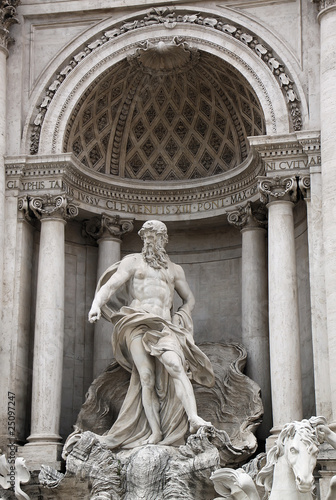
{"x": 283, "y": 315}
{"x": 328, "y": 133}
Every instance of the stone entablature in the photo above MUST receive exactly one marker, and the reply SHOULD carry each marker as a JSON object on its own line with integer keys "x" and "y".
{"x": 293, "y": 154}
{"x": 296, "y": 153}
{"x": 97, "y": 193}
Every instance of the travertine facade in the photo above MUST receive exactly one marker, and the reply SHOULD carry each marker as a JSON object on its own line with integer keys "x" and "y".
{"x": 218, "y": 119}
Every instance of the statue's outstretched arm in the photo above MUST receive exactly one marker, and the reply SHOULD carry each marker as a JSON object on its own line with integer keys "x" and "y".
{"x": 120, "y": 277}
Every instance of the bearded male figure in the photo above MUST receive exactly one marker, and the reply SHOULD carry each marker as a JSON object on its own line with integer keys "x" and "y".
{"x": 156, "y": 348}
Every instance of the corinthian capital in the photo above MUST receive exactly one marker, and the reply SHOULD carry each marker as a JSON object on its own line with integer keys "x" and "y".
{"x": 277, "y": 188}
{"x": 107, "y": 226}
{"x": 47, "y": 206}
{"x": 246, "y": 216}
{"x": 7, "y": 18}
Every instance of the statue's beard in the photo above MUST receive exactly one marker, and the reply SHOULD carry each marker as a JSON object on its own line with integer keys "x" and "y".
{"x": 155, "y": 255}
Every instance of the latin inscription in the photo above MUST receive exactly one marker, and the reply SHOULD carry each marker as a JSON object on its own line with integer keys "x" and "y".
{"x": 293, "y": 164}
{"x": 108, "y": 202}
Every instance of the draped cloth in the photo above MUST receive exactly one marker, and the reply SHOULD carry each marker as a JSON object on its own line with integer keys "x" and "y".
{"x": 158, "y": 335}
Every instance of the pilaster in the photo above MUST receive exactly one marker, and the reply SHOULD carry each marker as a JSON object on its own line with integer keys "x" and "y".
{"x": 108, "y": 232}
{"x": 7, "y": 18}
{"x": 327, "y": 19}
{"x": 252, "y": 223}
{"x": 311, "y": 189}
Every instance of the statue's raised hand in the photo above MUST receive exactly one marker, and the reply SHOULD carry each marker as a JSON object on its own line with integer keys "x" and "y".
{"x": 94, "y": 314}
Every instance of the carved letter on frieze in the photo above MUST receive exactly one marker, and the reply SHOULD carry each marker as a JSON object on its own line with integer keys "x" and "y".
{"x": 47, "y": 206}
{"x": 276, "y": 188}
{"x": 99, "y": 227}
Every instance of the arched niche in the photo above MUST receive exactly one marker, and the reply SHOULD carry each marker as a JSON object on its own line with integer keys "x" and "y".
{"x": 245, "y": 43}
{"x": 230, "y": 84}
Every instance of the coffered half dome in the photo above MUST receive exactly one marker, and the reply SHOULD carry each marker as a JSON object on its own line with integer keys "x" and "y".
{"x": 167, "y": 113}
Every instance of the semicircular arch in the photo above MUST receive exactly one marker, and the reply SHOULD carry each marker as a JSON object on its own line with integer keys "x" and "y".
{"x": 46, "y": 134}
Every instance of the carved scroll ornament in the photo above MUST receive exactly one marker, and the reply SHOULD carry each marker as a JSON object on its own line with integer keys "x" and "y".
{"x": 47, "y": 206}
{"x": 247, "y": 216}
{"x": 100, "y": 227}
{"x": 276, "y": 188}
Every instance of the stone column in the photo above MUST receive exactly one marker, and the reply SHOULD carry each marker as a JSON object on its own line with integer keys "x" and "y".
{"x": 107, "y": 231}
{"x": 278, "y": 193}
{"x": 310, "y": 187}
{"x": 255, "y": 303}
{"x": 44, "y": 441}
{"x": 7, "y": 13}
{"x": 327, "y": 19}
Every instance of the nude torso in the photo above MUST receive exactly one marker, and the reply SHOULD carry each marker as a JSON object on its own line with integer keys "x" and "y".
{"x": 152, "y": 289}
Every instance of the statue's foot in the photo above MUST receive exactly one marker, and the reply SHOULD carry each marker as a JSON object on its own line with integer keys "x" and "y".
{"x": 154, "y": 438}
{"x": 196, "y": 422}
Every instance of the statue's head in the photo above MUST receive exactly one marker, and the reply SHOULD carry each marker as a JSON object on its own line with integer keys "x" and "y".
{"x": 154, "y": 226}
{"x": 155, "y": 237}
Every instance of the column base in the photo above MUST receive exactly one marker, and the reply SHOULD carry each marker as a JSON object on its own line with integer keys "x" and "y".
{"x": 42, "y": 452}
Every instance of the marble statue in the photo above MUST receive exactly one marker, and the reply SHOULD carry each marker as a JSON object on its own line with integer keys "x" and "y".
{"x": 159, "y": 472}
{"x": 326, "y": 434}
{"x": 12, "y": 475}
{"x": 288, "y": 473}
{"x": 156, "y": 347}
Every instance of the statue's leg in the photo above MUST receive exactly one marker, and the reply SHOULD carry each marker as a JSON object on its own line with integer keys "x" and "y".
{"x": 145, "y": 365}
{"x": 183, "y": 388}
